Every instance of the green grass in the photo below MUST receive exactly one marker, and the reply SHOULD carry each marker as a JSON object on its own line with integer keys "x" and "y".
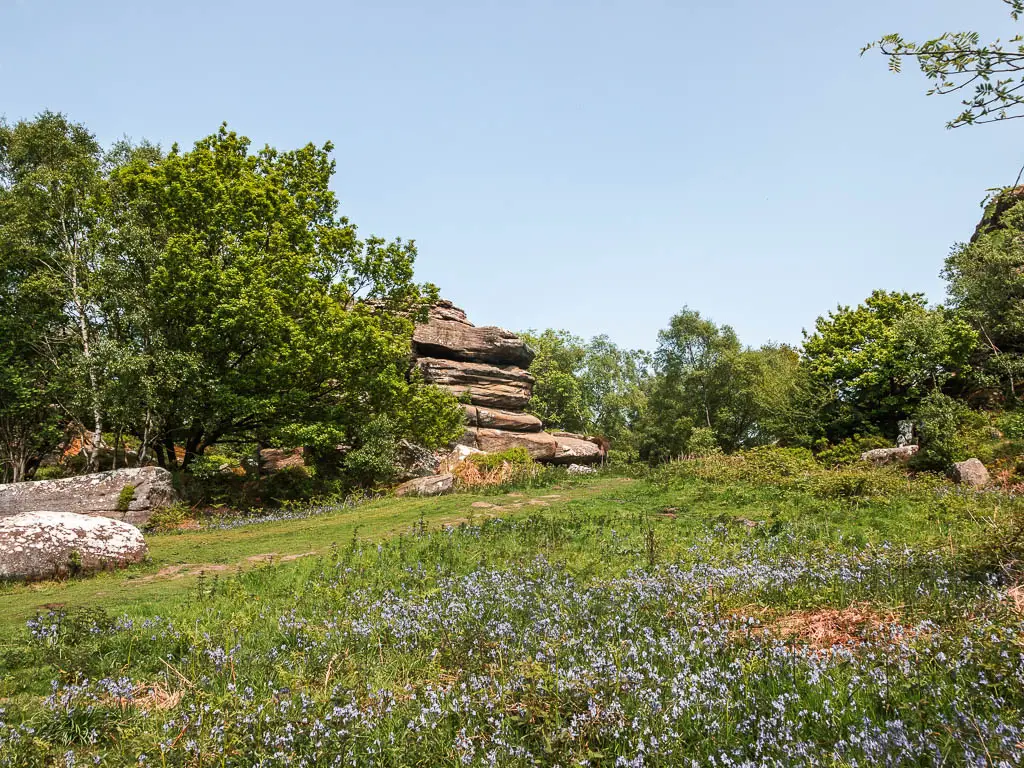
{"x": 614, "y": 621}
{"x": 175, "y": 559}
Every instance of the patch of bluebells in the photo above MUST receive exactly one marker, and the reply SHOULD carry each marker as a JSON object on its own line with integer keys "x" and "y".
{"x": 374, "y": 664}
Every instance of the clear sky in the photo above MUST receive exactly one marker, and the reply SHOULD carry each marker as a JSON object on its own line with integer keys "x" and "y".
{"x": 593, "y": 166}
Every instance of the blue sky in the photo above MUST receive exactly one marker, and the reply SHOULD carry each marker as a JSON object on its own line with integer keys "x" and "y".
{"x": 593, "y": 166}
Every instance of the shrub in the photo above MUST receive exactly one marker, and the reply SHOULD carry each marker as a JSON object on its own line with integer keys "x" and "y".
{"x": 52, "y": 472}
{"x": 375, "y": 460}
{"x": 849, "y": 451}
{"x": 770, "y": 462}
{"x": 169, "y": 518}
{"x": 1011, "y": 424}
{"x": 517, "y": 456}
{"x": 703, "y": 442}
{"x": 949, "y": 432}
{"x": 502, "y": 468}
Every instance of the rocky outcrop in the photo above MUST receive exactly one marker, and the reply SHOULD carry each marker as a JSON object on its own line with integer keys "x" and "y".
{"x": 882, "y": 456}
{"x": 971, "y": 473}
{"x": 505, "y": 387}
{"x": 488, "y": 367}
{"x": 131, "y": 495}
{"x": 540, "y": 445}
{"x": 450, "y": 336}
{"x": 47, "y": 545}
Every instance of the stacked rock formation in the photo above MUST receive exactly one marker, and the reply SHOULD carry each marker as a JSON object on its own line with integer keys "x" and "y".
{"x": 488, "y": 366}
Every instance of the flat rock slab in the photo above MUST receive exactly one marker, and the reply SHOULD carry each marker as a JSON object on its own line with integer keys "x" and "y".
{"x": 97, "y": 494}
{"x": 540, "y": 445}
{"x": 435, "y": 485}
{"x": 47, "y": 545}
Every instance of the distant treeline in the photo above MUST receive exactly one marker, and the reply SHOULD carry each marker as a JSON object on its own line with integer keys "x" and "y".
{"x": 862, "y": 370}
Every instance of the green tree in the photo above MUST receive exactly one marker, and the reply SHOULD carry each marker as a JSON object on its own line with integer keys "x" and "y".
{"x": 990, "y": 76}
{"x": 986, "y": 288}
{"x": 587, "y": 387}
{"x": 558, "y": 397}
{"x": 51, "y": 177}
{"x": 871, "y": 365}
{"x": 260, "y": 314}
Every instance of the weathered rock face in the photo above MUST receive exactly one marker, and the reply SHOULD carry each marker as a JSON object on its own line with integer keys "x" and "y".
{"x": 46, "y": 545}
{"x": 971, "y": 473}
{"x": 458, "y": 340}
{"x": 416, "y": 461}
{"x": 433, "y": 485}
{"x": 104, "y": 494}
{"x": 882, "y": 456}
{"x": 492, "y": 386}
{"x": 493, "y": 418}
{"x": 540, "y": 445}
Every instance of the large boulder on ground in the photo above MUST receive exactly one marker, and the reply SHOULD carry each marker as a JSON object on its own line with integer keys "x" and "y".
{"x": 434, "y": 485}
{"x": 971, "y": 473}
{"x": 494, "y": 418}
{"x": 506, "y": 387}
{"x": 46, "y": 545}
{"x": 540, "y": 445}
{"x": 459, "y": 340}
{"x": 575, "y": 449}
{"x": 882, "y": 456}
{"x": 131, "y": 495}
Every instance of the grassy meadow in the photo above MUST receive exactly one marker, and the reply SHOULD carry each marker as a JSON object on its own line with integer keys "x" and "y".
{"x": 751, "y": 611}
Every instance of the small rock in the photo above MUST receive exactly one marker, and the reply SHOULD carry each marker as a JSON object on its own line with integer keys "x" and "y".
{"x": 580, "y": 469}
{"x": 434, "y": 485}
{"x": 882, "y": 456}
{"x": 46, "y": 545}
{"x": 971, "y": 473}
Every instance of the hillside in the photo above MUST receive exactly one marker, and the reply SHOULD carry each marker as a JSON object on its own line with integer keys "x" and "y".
{"x": 757, "y": 610}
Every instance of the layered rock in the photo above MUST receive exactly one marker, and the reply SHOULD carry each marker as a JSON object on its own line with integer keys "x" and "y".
{"x": 493, "y": 418}
{"x": 495, "y": 386}
{"x": 487, "y": 367}
{"x": 47, "y": 545}
{"x": 449, "y": 335}
{"x": 131, "y": 495}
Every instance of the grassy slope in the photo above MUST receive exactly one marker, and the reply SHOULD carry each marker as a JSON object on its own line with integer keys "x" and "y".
{"x": 176, "y": 559}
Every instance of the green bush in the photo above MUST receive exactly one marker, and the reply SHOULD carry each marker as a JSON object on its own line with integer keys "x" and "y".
{"x": 849, "y": 451}
{"x": 52, "y": 472}
{"x": 375, "y": 459}
{"x": 1011, "y": 424}
{"x": 769, "y": 462}
{"x": 169, "y": 518}
{"x": 949, "y": 432}
{"x": 517, "y": 457}
{"x": 703, "y": 442}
